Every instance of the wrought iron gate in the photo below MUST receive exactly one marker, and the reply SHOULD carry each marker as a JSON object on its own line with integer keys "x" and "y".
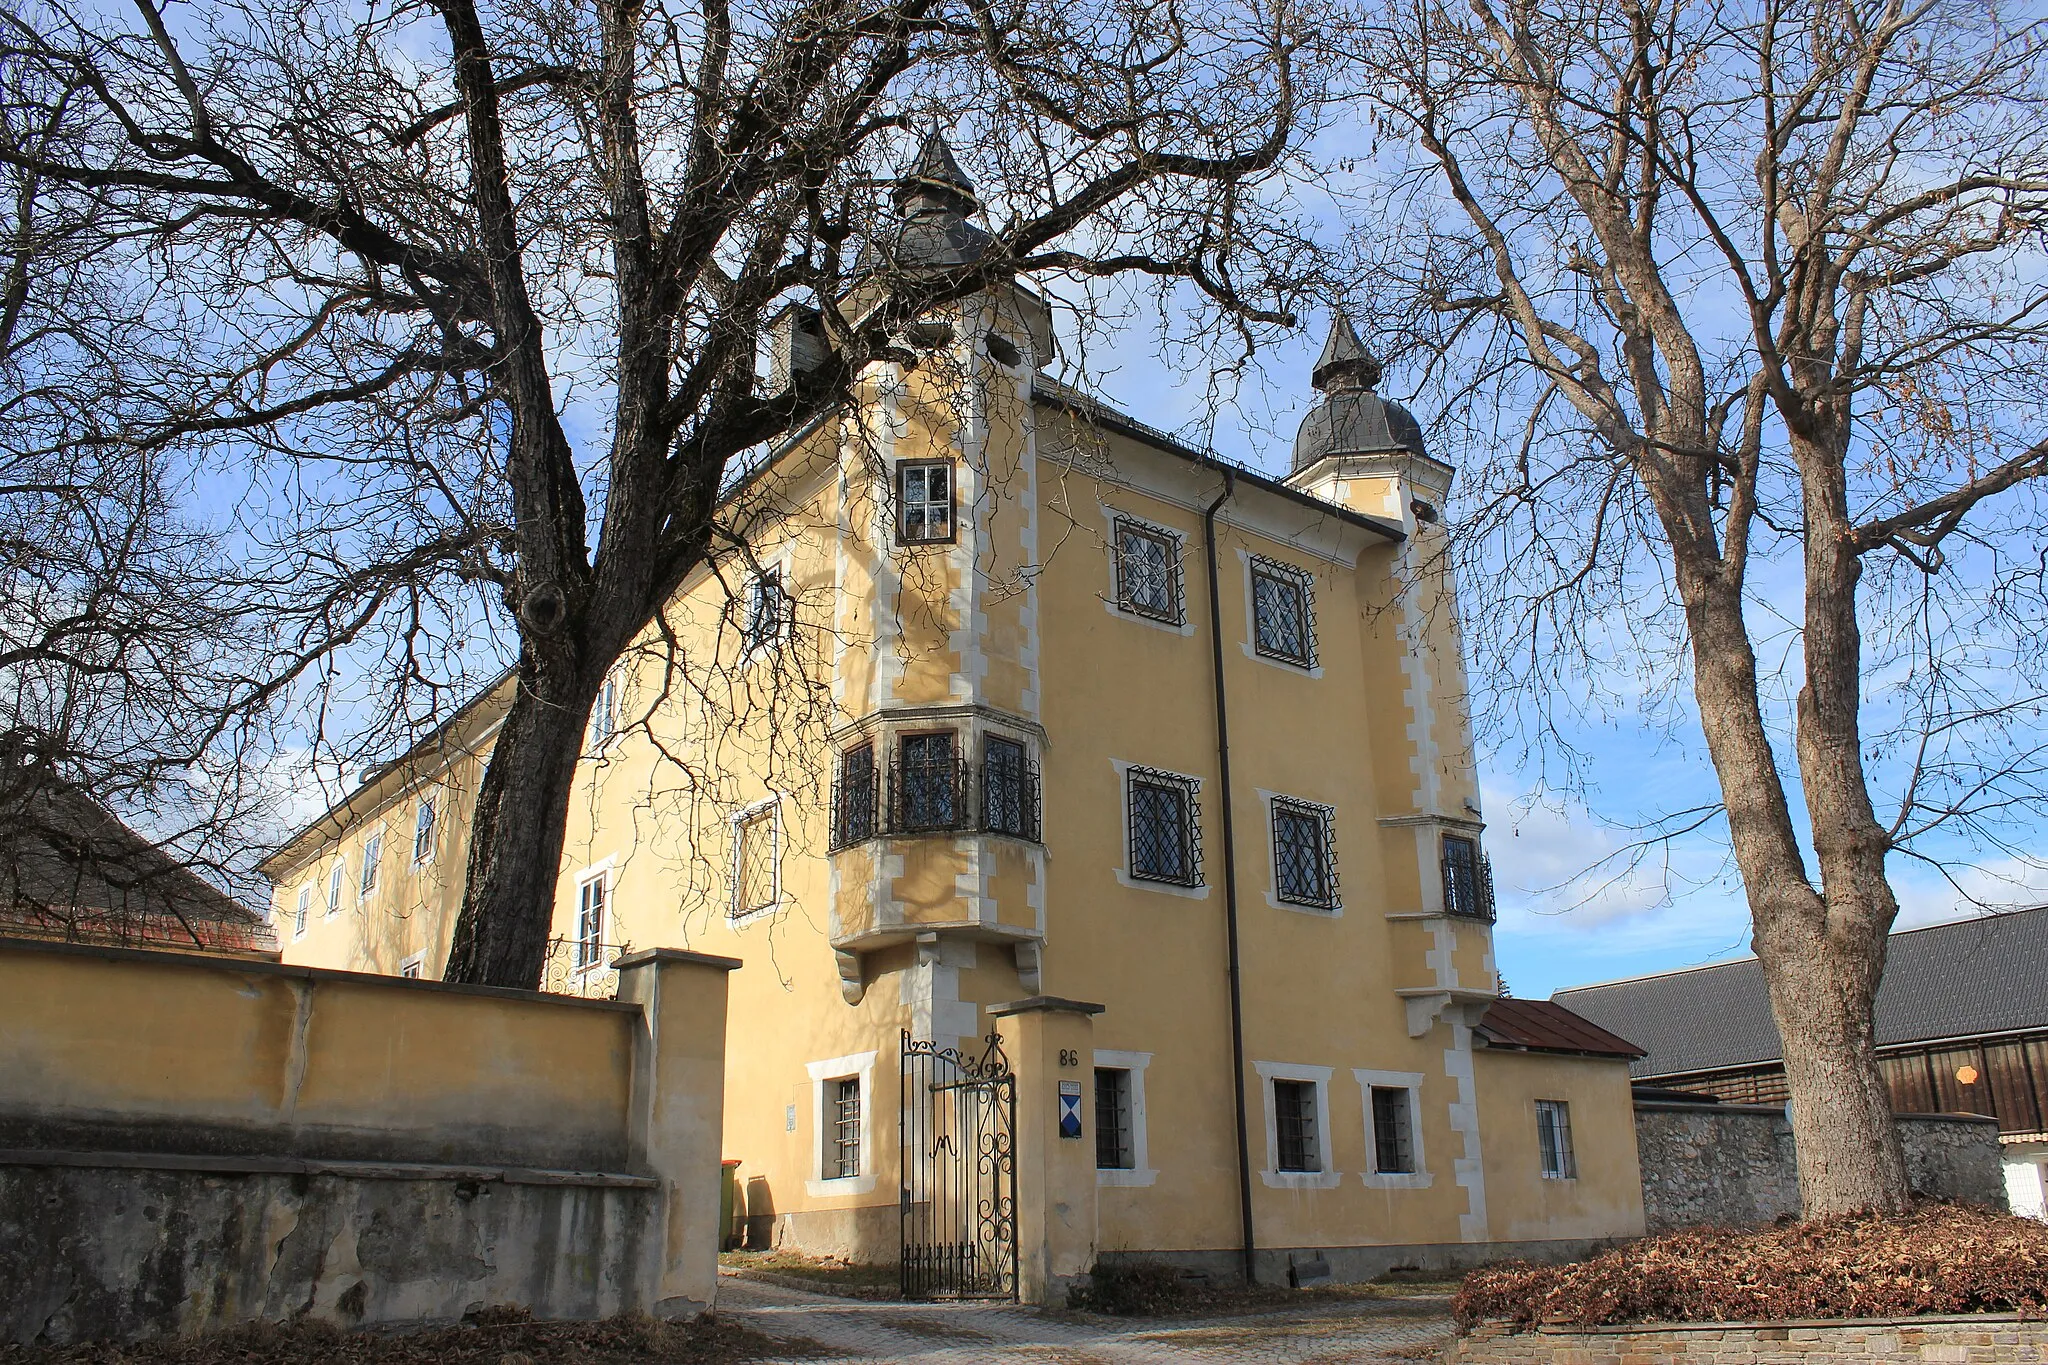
{"x": 959, "y": 1200}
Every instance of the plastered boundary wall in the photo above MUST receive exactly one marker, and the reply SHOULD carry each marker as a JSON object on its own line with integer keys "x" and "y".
{"x": 1987, "y": 1337}
{"x": 187, "y": 1143}
{"x": 1733, "y": 1165}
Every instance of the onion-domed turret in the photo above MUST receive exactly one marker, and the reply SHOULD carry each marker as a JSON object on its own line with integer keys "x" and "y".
{"x": 1352, "y": 419}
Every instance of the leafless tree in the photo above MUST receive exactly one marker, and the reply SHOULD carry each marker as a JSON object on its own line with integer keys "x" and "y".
{"x": 475, "y": 290}
{"x": 1742, "y": 290}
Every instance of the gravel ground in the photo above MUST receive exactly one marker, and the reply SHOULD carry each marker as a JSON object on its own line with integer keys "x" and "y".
{"x": 817, "y": 1327}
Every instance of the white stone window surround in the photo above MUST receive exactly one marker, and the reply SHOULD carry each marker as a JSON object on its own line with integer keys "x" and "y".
{"x": 413, "y": 968}
{"x": 860, "y": 1066}
{"x": 1123, "y": 873}
{"x": 337, "y": 877}
{"x": 1111, "y": 515}
{"x": 1411, "y": 1081}
{"x": 1307, "y": 577}
{"x": 1328, "y": 1178}
{"x": 604, "y": 870}
{"x": 1329, "y": 813}
{"x": 772, "y": 806}
{"x": 303, "y": 911}
{"x": 1140, "y": 1172}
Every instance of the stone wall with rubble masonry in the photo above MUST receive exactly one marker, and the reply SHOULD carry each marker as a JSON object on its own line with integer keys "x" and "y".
{"x": 1976, "y": 1339}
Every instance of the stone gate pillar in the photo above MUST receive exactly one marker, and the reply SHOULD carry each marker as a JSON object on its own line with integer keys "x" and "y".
{"x": 1050, "y": 1044}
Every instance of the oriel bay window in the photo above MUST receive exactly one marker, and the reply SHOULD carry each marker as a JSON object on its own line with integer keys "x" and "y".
{"x": 1009, "y": 789}
{"x": 855, "y": 797}
{"x": 1283, "y": 618}
{"x": 1304, "y": 854}
{"x": 925, "y": 788}
{"x": 1468, "y": 879}
{"x": 1164, "y": 840}
{"x": 924, "y": 502}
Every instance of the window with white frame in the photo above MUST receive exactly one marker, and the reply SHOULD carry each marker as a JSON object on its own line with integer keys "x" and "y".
{"x": 1393, "y": 1129}
{"x": 1164, "y": 818}
{"x": 1283, "y": 612}
{"x": 1122, "y": 1155}
{"x": 334, "y": 882}
{"x": 925, "y": 504}
{"x": 1554, "y": 1140}
{"x": 604, "y": 713}
{"x": 1294, "y": 1117}
{"x": 373, "y": 857}
{"x": 843, "y": 1156}
{"x": 1148, "y": 571}
{"x": 756, "y": 876}
{"x": 592, "y": 895}
{"x": 768, "y": 610}
{"x": 1297, "y": 1126}
{"x": 842, "y": 1091}
{"x": 1304, "y": 853}
{"x": 305, "y": 907}
{"x": 414, "y": 967}
{"x": 423, "y": 832}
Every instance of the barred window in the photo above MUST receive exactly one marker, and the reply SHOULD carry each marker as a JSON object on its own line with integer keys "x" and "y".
{"x": 1164, "y": 843}
{"x": 590, "y": 904}
{"x": 1554, "y": 1137}
{"x": 299, "y": 916}
{"x": 754, "y": 857}
{"x": 423, "y": 832}
{"x": 768, "y": 610}
{"x": 1393, "y": 1138}
{"x": 845, "y": 1153}
{"x": 1148, "y": 573}
{"x": 1304, "y": 854}
{"x": 927, "y": 783}
{"x": 1294, "y": 1120}
{"x": 1283, "y": 620}
{"x": 1468, "y": 880}
{"x": 853, "y": 807}
{"x": 373, "y": 855}
{"x": 1114, "y": 1147}
{"x": 924, "y": 501}
{"x": 1009, "y": 789}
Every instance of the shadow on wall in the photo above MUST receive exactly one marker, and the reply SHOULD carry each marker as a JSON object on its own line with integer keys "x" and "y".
{"x": 760, "y": 1215}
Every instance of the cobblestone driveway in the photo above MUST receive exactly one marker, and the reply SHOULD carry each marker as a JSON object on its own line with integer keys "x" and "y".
{"x": 1354, "y": 1333}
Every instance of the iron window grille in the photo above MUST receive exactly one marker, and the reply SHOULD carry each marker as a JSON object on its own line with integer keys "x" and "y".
{"x": 423, "y": 833}
{"x": 588, "y": 950}
{"x": 754, "y": 862}
{"x": 1294, "y": 1121}
{"x": 927, "y": 785}
{"x": 1468, "y": 879}
{"x": 856, "y": 797}
{"x": 769, "y": 610}
{"x": 845, "y": 1128}
{"x": 1114, "y": 1148}
{"x": 1009, "y": 789}
{"x": 1165, "y": 827}
{"x": 1148, "y": 572}
{"x": 925, "y": 502}
{"x": 1283, "y": 612}
{"x": 1554, "y": 1137}
{"x": 1304, "y": 853}
{"x": 1393, "y": 1144}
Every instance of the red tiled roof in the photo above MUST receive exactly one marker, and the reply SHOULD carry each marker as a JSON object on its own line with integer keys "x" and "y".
{"x": 1545, "y": 1026}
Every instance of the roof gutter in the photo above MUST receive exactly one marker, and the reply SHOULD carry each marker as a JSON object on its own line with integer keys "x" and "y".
{"x": 1244, "y": 1160}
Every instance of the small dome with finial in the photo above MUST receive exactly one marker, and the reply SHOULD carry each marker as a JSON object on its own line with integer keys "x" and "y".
{"x": 935, "y": 199}
{"x": 1352, "y": 419}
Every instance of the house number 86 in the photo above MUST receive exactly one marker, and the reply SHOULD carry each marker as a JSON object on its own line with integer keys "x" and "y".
{"x": 1069, "y": 1057}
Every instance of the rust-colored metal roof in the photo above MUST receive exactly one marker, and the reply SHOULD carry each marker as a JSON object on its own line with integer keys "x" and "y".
{"x": 1545, "y": 1026}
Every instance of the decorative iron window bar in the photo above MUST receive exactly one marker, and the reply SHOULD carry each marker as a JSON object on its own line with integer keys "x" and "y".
{"x": 1165, "y": 832}
{"x": 1468, "y": 880}
{"x": 1149, "y": 578}
{"x": 1304, "y": 854}
{"x": 1283, "y": 612}
{"x": 947, "y": 796}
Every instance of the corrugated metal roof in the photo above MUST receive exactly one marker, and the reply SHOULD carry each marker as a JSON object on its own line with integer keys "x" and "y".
{"x": 1964, "y": 979}
{"x": 1546, "y": 1026}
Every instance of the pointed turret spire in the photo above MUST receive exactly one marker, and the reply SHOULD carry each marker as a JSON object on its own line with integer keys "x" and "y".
{"x": 934, "y": 182}
{"x": 1344, "y": 363}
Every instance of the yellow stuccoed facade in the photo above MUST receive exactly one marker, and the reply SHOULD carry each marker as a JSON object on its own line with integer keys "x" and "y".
{"x": 1034, "y": 624}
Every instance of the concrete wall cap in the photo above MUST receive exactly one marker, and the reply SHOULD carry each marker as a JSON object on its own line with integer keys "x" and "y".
{"x": 648, "y": 955}
{"x": 1044, "y": 1004}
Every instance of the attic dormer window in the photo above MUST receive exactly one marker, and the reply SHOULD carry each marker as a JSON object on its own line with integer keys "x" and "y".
{"x": 924, "y": 502}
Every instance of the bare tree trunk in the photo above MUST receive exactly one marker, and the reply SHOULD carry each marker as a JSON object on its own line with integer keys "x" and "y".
{"x": 515, "y": 845}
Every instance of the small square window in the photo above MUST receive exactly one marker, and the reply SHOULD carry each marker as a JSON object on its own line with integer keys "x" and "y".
{"x": 1164, "y": 846}
{"x": 1554, "y": 1140}
{"x": 754, "y": 880}
{"x": 1304, "y": 854}
{"x": 924, "y": 502}
{"x": 1148, "y": 572}
{"x": 1283, "y": 619}
{"x": 844, "y": 1153}
{"x": 1393, "y": 1135}
{"x": 1294, "y": 1117}
{"x": 413, "y": 967}
{"x": 423, "y": 833}
{"x": 1115, "y": 1147}
{"x": 590, "y": 907}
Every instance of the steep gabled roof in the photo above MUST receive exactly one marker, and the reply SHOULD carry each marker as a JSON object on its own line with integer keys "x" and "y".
{"x": 1964, "y": 979}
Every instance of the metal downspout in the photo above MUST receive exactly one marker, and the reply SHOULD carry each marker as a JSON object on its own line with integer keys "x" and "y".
{"x": 1244, "y": 1159}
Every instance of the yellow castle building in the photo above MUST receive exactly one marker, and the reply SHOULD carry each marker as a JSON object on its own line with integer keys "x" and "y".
{"x": 1097, "y": 826}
